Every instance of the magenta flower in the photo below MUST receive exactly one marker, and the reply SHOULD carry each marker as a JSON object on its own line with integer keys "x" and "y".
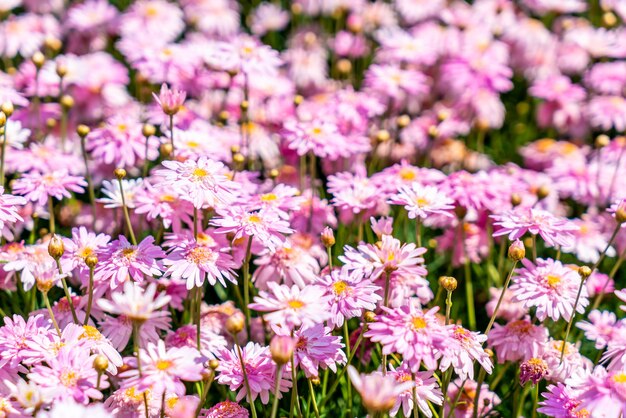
{"x": 604, "y": 393}
{"x": 196, "y": 263}
{"x": 204, "y": 182}
{"x": 170, "y": 100}
{"x": 289, "y": 264}
{"x": 9, "y": 211}
{"x": 260, "y": 371}
{"x": 82, "y": 245}
{"x": 226, "y": 409}
{"x": 292, "y": 307}
{"x": 550, "y": 287}
{"x": 265, "y": 225}
{"x": 123, "y": 261}
{"x": 423, "y": 201}
{"x": 517, "y": 340}
{"x": 316, "y": 347}
{"x": 460, "y": 349}
{"x": 38, "y": 187}
{"x": 563, "y": 402}
{"x": 15, "y": 335}
{"x": 418, "y": 336}
{"x": 601, "y": 327}
{"x": 350, "y": 295}
{"x": 554, "y": 230}
{"x": 71, "y": 374}
{"x": 465, "y": 391}
{"x": 379, "y": 393}
{"x": 164, "y": 370}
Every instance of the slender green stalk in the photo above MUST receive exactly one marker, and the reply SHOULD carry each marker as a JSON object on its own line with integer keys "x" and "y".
{"x": 312, "y": 392}
{"x": 246, "y": 283}
{"x": 67, "y": 292}
{"x": 163, "y": 405}
{"x": 447, "y": 375}
{"x": 294, "y": 391}
{"x": 90, "y": 191}
{"x": 3, "y": 155}
{"x": 535, "y": 400}
{"x": 90, "y": 297}
{"x": 571, "y": 320}
{"x": 534, "y": 238}
{"x": 172, "y": 134}
{"x": 129, "y": 225}
{"x": 469, "y": 286}
{"x": 418, "y": 231}
{"x": 52, "y": 318}
{"x": 346, "y": 337}
{"x": 198, "y": 315}
{"x": 614, "y": 270}
{"x": 495, "y": 311}
{"x": 279, "y": 370}
{"x": 387, "y": 290}
{"x": 448, "y": 305}
{"x": 245, "y": 380}
{"x": 330, "y": 259}
{"x": 416, "y": 412}
{"x": 479, "y": 383}
{"x": 136, "y": 327}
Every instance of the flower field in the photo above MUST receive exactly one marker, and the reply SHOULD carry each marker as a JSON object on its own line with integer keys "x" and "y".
{"x": 312, "y": 208}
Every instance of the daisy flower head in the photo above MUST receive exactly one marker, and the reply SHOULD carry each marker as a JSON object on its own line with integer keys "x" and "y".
{"x": 423, "y": 201}
{"x": 554, "y": 230}
{"x": 203, "y": 182}
{"x": 196, "y": 263}
{"x": 292, "y": 307}
{"x": 225, "y": 409}
{"x": 379, "y": 393}
{"x": 465, "y": 392}
{"x": 426, "y": 390}
{"x": 603, "y": 393}
{"x": 517, "y": 340}
{"x": 170, "y": 100}
{"x": 113, "y": 193}
{"x": 316, "y": 347}
{"x": 136, "y": 303}
{"x": 16, "y": 333}
{"x": 600, "y": 327}
{"x": 563, "y": 402}
{"x": 9, "y": 211}
{"x": 82, "y": 245}
{"x": 289, "y": 264}
{"x": 163, "y": 370}
{"x": 618, "y": 211}
{"x": 123, "y": 261}
{"x": 260, "y": 371}
{"x": 615, "y": 355}
{"x": 38, "y": 187}
{"x": 461, "y": 348}
{"x": 264, "y": 226}
{"x": 407, "y": 330}
{"x": 350, "y": 295}
{"x": 549, "y": 286}
{"x": 572, "y": 364}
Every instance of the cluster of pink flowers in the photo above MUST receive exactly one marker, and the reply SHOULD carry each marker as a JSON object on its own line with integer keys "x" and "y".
{"x": 221, "y": 208}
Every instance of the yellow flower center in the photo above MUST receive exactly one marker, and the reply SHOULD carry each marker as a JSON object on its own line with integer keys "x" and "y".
{"x": 268, "y": 197}
{"x": 317, "y": 130}
{"x": 254, "y": 218}
{"x": 133, "y": 395}
{"x": 171, "y": 402}
{"x": 163, "y": 364}
{"x": 68, "y": 378}
{"x": 418, "y": 323}
{"x": 553, "y": 280}
{"x": 85, "y": 252}
{"x": 421, "y": 202}
{"x": 391, "y": 256}
{"x": 152, "y": 11}
{"x": 407, "y": 174}
{"x": 199, "y": 172}
{"x": 90, "y": 332}
{"x": 295, "y": 304}
{"x": 128, "y": 252}
{"x": 193, "y": 144}
{"x": 168, "y": 198}
{"x": 340, "y": 287}
{"x": 619, "y": 378}
{"x": 200, "y": 255}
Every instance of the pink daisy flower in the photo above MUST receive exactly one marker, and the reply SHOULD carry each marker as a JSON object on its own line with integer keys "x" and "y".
{"x": 603, "y": 393}
{"x": 119, "y": 329}
{"x": 422, "y": 201}
{"x": 562, "y": 401}
{"x": 350, "y": 295}
{"x": 315, "y": 347}
{"x": 292, "y": 307}
{"x": 82, "y": 245}
{"x": 517, "y": 340}
{"x": 426, "y": 390}
{"x": 464, "y": 408}
{"x": 615, "y": 354}
{"x": 196, "y": 263}
{"x": 289, "y": 264}
{"x": 379, "y": 393}
{"x": 554, "y": 230}
{"x": 460, "y": 349}
{"x": 418, "y": 336}
{"x": 225, "y": 409}
{"x": 38, "y": 187}
{"x": 260, "y": 371}
{"x": 14, "y": 335}
{"x": 203, "y": 182}
{"x": 163, "y": 370}
{"x": 170, "y": 100}
{"x": 607, "y": 112}
{"x": 573, "y": 362}
{"x": 123, "y": 261}
{"x": 9, "y": 212}
{"x": 550, "y": 287}
{"x": 264, "y": 226}
{"x": 600, "y": 328}
{"x": 136, "y": 303}
{"x": 509, "y": 309}
{"x": 71, "y": 374}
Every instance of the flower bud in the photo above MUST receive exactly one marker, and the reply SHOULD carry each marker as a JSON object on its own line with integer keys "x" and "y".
{"x": 516, "y": 199}
{"x": 67, "y": 102}
{"x": 602, "y": 141}
{"x": 542, "y": 192}
{"x": 448, "y": 283}
{"x": 403, "y": 121}
{"x": 273, "y": 174}
{"x": 328, "y": 237}
{"x": 234, "y": 149}
{"x": 460, "y": 212}
{"x": 51, "y": 123}
{"x": 166, "y": 149}
{"x": 82, "y": 130}
{"x": 56, "y": 249}
{"x": 235, "y": 323}
{"x": 91, "y": 261}
{"x": 533, "y": 370}
{"x": 244, "y": 105}
{"x": 369, "y": 316}
{"x": 3, "y": 119}
{"x": 148, "y": 130}
{"x": 620, "y": 213}
{"x": 38, "y": 59}
{"x": 584, "y": 272}
{"x": 119, "y": 173}
{"x": 315, "y": 380}
{"x": 100, "y": 363}
{"x": 61, "y": 69}
{"x": 344, "y": 66}
{"x": 281, "y": 348}
{"x": 297, "y": 100}
{"x": 214, "y": 364}
{"x": 7, "y": 108}
{"x": 516, "y": 250}
{"x": 239, "y": 158}
{"x": 383, "y": 135}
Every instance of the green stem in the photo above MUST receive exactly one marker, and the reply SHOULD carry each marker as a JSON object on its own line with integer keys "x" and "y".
{"x": 90, "y": 299}
{"x": 90, "y": 191}
{"x": 245, "y": 380}
{"x": 67, "y": 292}
{"x": 534, "y": 238}
{"x": 535, "y": 400}
{"x": 312, "y": 392}
{"x": 51, "y": 218}
{"x": 469, "y": 287}
{"x": 129, "y": 225}
{"x": 246, "y": 284}
{"x": 448, "y": 306}
{"x": 198, "y": 315}
{"x": 418, "y": 231}
{"x": 279, "y": 370}
{"x": 52, "y": 318}
{"x": 136, "y": 326}
{"x": 495, "y": 311}
{"x": 571, "y": 320}
{"x": 172, "y": 133}
{"x": 2, "y": 156}
{"x": 346, "y": 337}
{"x": 479, "y": 383}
